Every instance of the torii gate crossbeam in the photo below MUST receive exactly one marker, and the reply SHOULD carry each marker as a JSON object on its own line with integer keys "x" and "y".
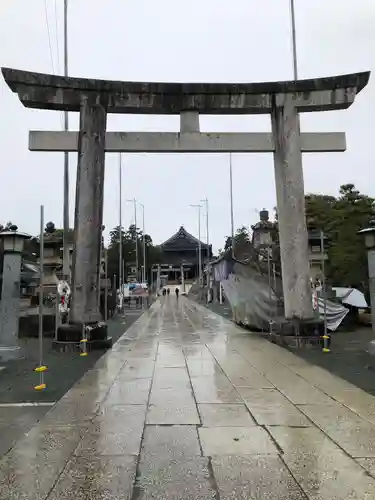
{"x": 190, "y": 142}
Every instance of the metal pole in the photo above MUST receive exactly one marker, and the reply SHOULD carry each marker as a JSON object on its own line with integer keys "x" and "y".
{"x": 144, "y": 243}
{"x": 158, "y": 283}
{"x": 326, "y": 337}
{"x": 100, "y": 266}
{"x": 66, "y": 45}
{"x": 231, "y": 202}
{"x": 294, "y": 39}
{"x": 66, "y": 257}
{"x": 114, "y": 291}
{"x": 41, "y": 299}
{"x": 144, "y": 248}
{"x": 136, "y": 237}
{"x": 199, "y": 245}
{"x": 123, "y": 282}
{"x": 106, "y": 286}
{"x": 274, "y": 276}
{"x": 199, "y": 249}
{"x": 120, "y": 223}
{"x": 269, "y": 273}
{"x": 205, "y": 201}
{"x": 371, "y": 275}
{"x": 294, "y": 43}
{"x": 57, "y": 312}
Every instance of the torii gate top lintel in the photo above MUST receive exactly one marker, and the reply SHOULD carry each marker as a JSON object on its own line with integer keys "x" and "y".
{"x": 46, "y": 91}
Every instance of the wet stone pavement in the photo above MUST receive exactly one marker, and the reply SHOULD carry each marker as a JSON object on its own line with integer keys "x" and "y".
{"x": 21, "y": 407}
{"x": 188, "y": 406}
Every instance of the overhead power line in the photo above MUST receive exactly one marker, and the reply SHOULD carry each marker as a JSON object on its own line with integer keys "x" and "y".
{"x": 57, "y": 37}
{"x": 49, "y": 36}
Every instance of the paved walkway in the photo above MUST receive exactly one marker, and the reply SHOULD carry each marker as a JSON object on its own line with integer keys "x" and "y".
{"x": 189, "y": 406}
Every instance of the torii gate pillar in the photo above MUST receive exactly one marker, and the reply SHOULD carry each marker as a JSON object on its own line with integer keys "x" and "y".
{"x": 88, "y": 218}
{"x": 290, "y": 195}
{"x": 282, "y": 100}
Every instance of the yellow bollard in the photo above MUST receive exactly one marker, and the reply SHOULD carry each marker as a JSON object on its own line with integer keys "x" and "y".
{"x": 40, "y": 387}
{"x": 326, "y": 343}
{"x": 41, "y": 369}
{"x": 84, "y": 341}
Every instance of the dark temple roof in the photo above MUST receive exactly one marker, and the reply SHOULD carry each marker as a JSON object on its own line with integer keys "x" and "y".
{"x": 182, "y": 236}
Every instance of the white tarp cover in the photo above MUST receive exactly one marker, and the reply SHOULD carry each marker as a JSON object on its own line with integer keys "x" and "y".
{"x": 254, "y": 305}
{"x": 250, "y": 301}
{"x": 351, "y": 296}
{"x": 335, "y": 313}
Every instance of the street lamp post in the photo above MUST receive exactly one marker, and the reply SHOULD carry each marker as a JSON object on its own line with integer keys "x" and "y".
{"x": 144, "y": 243}
{"x": 199, "y": 243}
{"x": 369, "y": 237}
{"x": 13, "y": 243}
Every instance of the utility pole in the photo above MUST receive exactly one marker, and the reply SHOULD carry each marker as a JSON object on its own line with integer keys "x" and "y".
{"x": 144, "y": 243}
{"x": 205, "y": 201}
{"x": 66, "y": 256}
{"x": 231, "y": 202}
{"x": 199, "y": 242}
{"x": 120, "y": 224}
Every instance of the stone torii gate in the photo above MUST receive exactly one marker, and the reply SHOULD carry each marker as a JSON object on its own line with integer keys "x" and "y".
{"x": 93, "y": 99}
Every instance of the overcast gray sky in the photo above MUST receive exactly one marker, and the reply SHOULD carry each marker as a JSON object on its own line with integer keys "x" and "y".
{"x": 199, "y": 40}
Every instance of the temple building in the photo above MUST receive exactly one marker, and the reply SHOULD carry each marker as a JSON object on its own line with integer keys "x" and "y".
{"x": 180, "y": 252}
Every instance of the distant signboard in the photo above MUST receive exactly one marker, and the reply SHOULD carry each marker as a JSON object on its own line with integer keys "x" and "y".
{"x": 136, "y": 290}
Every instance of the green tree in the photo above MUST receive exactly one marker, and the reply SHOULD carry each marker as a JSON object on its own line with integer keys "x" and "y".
{"x": 340, "y": 219}
{"x": 242, "y": 243}
{"x": 129, "y": 237}
{"x": 60, "y": 232}
{"x": 319, "y": 211}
